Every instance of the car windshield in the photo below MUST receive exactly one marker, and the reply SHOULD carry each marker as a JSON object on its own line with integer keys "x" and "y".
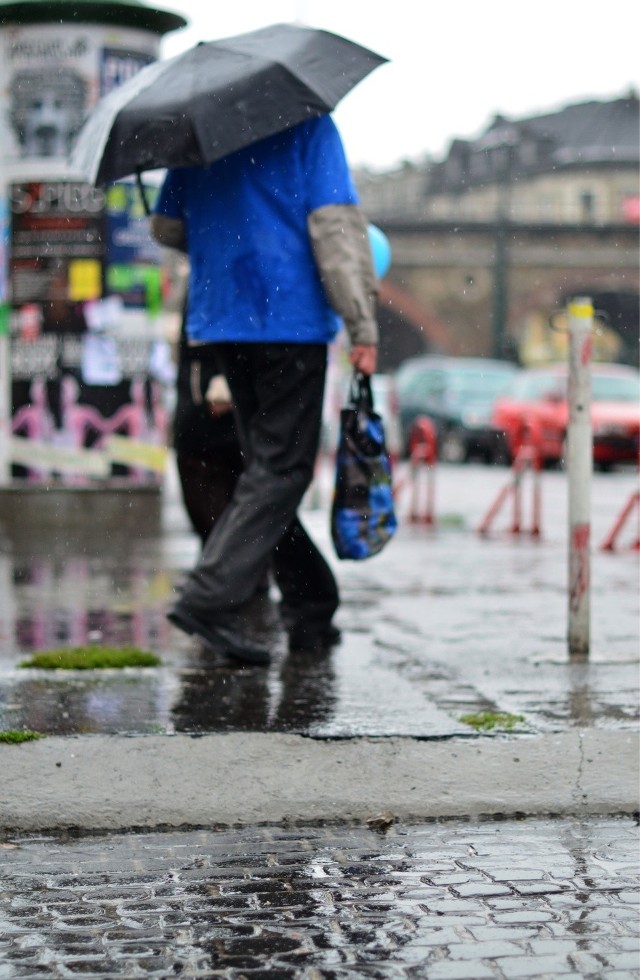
{"x": 604, "y": 387}
{"x": 531, "y": 387}
{"x": 471, "y": 383}
{"x": 610, "y": 388}
{"x": 456, "y": 384}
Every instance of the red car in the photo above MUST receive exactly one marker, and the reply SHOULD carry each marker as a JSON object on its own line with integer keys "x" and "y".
{"x": 538, "y": 396}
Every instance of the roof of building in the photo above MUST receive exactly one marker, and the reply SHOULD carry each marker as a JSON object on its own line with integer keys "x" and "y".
{"x": 594, "y": 131}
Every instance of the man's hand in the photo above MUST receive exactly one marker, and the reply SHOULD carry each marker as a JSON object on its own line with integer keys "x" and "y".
{"x": 364, "y": 358}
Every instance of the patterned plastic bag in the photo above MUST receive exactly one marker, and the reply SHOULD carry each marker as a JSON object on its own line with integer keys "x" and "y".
{"x": 363, "y": 516}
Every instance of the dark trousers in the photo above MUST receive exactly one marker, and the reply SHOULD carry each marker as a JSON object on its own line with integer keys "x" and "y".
{"x": 207, "y": 484}
{"x": 277, "y": 391}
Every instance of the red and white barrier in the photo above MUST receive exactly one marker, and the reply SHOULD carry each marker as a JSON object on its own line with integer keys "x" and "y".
{"x": 423, "y": 456}
{"x": 633, "y": 503}
{"x": 528, "y": 459}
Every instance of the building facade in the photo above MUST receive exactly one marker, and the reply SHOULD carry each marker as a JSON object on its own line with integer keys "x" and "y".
{"x": 500, "y": 233}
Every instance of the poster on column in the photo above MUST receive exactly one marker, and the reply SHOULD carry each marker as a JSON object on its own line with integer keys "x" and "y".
{"x": 47, "y": 85}
{"x": 134, "y": 260}
{"x": 51, "y": 76}
{"x": 85, "y": 400}
{"x": 82, "y": 379}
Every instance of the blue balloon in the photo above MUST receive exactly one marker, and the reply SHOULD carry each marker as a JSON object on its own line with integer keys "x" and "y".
{"x": 380, "y": 250}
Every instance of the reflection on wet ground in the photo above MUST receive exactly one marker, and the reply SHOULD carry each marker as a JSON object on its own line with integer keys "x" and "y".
{"x": 439, "y": 625}
{"x": 299, "y": 696}
{"x": 536, "y": 898}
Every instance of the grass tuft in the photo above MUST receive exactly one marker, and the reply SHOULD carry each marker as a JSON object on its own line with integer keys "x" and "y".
{"x": 92, "y": 658}
{"x": 14, "y": 736}
{"x": 487, "y": 720}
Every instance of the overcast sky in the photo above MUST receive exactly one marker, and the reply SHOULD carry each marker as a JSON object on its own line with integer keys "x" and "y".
{"x": 454, "y": 64}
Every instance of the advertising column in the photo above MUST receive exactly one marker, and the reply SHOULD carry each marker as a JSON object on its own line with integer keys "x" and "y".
{"x": 85, "y": 365}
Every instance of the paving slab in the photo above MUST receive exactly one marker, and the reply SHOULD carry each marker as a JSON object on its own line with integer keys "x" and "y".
{"x": 456, "y": 899}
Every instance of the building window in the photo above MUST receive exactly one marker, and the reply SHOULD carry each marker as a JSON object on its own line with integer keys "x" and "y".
{"x": 454, "y": 170}
{"x": 587, "y": 206}
{"x": 528, "y": 153}
{"x": 479, "y": 164}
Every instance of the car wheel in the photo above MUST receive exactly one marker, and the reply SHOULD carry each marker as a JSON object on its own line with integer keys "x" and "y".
{"x": 453, "y": 448}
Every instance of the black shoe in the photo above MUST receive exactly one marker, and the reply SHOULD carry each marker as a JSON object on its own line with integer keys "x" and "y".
{"x": 314, "y": 639}
{"x": 220, "y": 637}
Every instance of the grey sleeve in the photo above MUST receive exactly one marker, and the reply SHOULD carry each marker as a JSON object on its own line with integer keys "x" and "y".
{"x": 169, "y": 232}
{"x": 341, "y": 249}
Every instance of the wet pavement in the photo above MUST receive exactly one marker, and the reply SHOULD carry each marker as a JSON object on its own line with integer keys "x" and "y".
{"x": 543, "y": 899}
{"x": 441, "y": 624}
{"x": 290, "y": 821}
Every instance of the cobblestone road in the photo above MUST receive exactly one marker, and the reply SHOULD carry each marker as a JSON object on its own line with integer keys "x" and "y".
{"x": 534, "y": 898}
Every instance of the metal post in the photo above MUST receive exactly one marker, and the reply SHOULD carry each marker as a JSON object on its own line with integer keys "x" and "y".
{"x": 499, "y": 316}
{"x": 501, "y": 256}
{"x": 579, "y": 468}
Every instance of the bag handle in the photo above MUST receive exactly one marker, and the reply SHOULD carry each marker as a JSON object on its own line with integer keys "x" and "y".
{"x": 361, "y": 395}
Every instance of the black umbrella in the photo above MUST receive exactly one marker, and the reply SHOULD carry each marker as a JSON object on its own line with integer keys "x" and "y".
{"x": 216, "y": 98}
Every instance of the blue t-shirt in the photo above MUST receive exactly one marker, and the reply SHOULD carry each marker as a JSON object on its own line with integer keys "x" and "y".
{"x": 253, "y": 277}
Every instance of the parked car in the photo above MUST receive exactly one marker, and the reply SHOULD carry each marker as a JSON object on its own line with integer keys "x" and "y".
{"x": 457, "y": 394}
{"x": 540, "y": 395}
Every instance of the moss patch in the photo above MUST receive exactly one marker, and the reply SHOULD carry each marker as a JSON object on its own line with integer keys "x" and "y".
{"x": 92, "y": 658}
{"x": 13, "y": 736}
{"x": 485, "y": 721}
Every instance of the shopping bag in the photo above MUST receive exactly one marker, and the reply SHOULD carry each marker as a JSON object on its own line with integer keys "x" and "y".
{"x": 363, "y": 517}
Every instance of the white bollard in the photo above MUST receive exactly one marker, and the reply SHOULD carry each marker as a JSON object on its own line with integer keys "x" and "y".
{"x": 579, "y": 469}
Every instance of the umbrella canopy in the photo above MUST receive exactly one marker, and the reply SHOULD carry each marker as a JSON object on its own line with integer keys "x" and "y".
{"x": 216, "y": 98}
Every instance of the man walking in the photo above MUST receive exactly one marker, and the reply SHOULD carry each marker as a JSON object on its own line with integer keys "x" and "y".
{"x": 279, "y": 255}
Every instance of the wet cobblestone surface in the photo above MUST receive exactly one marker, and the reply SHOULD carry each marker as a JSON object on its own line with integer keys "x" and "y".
{"x": 533, "y": 898}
